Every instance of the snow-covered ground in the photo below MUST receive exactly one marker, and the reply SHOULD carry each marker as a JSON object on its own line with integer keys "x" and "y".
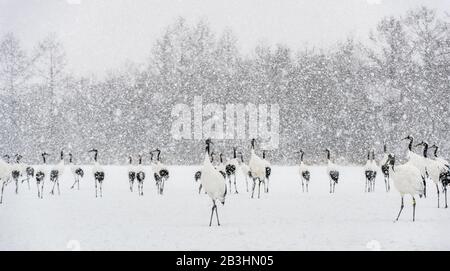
{"x": 284, "y": 219}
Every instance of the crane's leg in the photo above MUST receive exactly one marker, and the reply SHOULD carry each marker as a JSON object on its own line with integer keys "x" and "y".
{"x": 53, "y": 188}
{"x": 246, "y": 182}
{"x": 445, "y": 191}
{"x": 366, "y": 188}
{"x": 73, "y": 185}
{"x": 16, "y": 180}
{"x": 95, "y": 188}
{"x": 101, "y": 189}
{"x": 259, "y": 188}
{"x": 389, "y": 183}
{"x": 57, "y": 184}
{"x": 235, "y": 186}
{"x": 303, "y": 186}
{"x": 401, "y": 208}
{"x": 78, "y": 183}
{"x": 217, "y": 215}
{"x": 39, "y": 195}
{"x": 437, "y": 188}
{"x": 212, "y": 213}
{"x": 253, "y": 186}
{"x": 3, "y": 188}
{"x": 307, "y": 186}
{"x": 414, "y": 209}
{"x": 200, "y": 188}
{"x": 229, "y": 182}
{"x": 331, "y": 186}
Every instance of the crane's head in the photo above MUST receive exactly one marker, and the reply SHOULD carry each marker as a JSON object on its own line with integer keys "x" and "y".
{"x": 151, "y": 156}
{"x": 435, "y": 149}
{"x": 95, "y": 151}
{"x": 409, "y": 137}
{"x": 44, "y": 156}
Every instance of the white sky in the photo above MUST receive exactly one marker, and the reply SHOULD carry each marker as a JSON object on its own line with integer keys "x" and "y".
{"x": 99, "y": 35}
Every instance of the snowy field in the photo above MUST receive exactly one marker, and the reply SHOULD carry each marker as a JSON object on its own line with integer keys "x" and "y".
{"x": 284, "y": 219}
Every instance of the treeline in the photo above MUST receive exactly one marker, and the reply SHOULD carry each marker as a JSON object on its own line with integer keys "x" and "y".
{"x": 349, "y": 97}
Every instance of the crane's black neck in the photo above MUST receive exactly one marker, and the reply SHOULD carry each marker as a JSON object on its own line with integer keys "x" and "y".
{"x": 130, "y": 160}
{"x": 301, "y": 156}
{"x": 384, "y": 148}
{"x": 140, "y": 160}
{"x": 234, "y": 153}
{"x": 70, "y": 158}
{"x": 242, "y": 158}
{"x": 411, "y": 140}
{"x": 425, "y": 150}
{"x": 435, "y": 151}
{"x": 328, "y": 155}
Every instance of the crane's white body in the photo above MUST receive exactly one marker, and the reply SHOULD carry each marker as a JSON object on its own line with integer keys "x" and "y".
{"x": 60, "y": 167}
{"x": 257, "y": 166}
{"x": 407, "y": 179}
{"x": 5, "y": 170}
{"x": 213, "y": 181}
{"x": 302, "y": 167}
{"x": 417, "y": 161}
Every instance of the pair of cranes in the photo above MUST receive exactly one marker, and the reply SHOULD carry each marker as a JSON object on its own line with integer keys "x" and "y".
{"x": 160, "y": 173}
{"x": 213, "y": 179}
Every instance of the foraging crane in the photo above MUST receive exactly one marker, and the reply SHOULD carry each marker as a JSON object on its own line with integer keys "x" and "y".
{"x": 385, "y": 169}
{"x": 257, "y": 168}
{"x": 244, "y": 169}
{"x": 268, "y": 171}
{"x": 333, "y": 172}
{"x": 140, "y": 176}
{"x": 99, "y": 174}
{"x": 131, "y": 173}
{"x": 230, "y": 170}
{"x": 407, "y": 180}
{"x": 57, "y": 172}
{"x": 77, "y": 172}
{"x": 213, "y": 182}
{"x": 40, "y": 175}
{"x": 304, "y": 172}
